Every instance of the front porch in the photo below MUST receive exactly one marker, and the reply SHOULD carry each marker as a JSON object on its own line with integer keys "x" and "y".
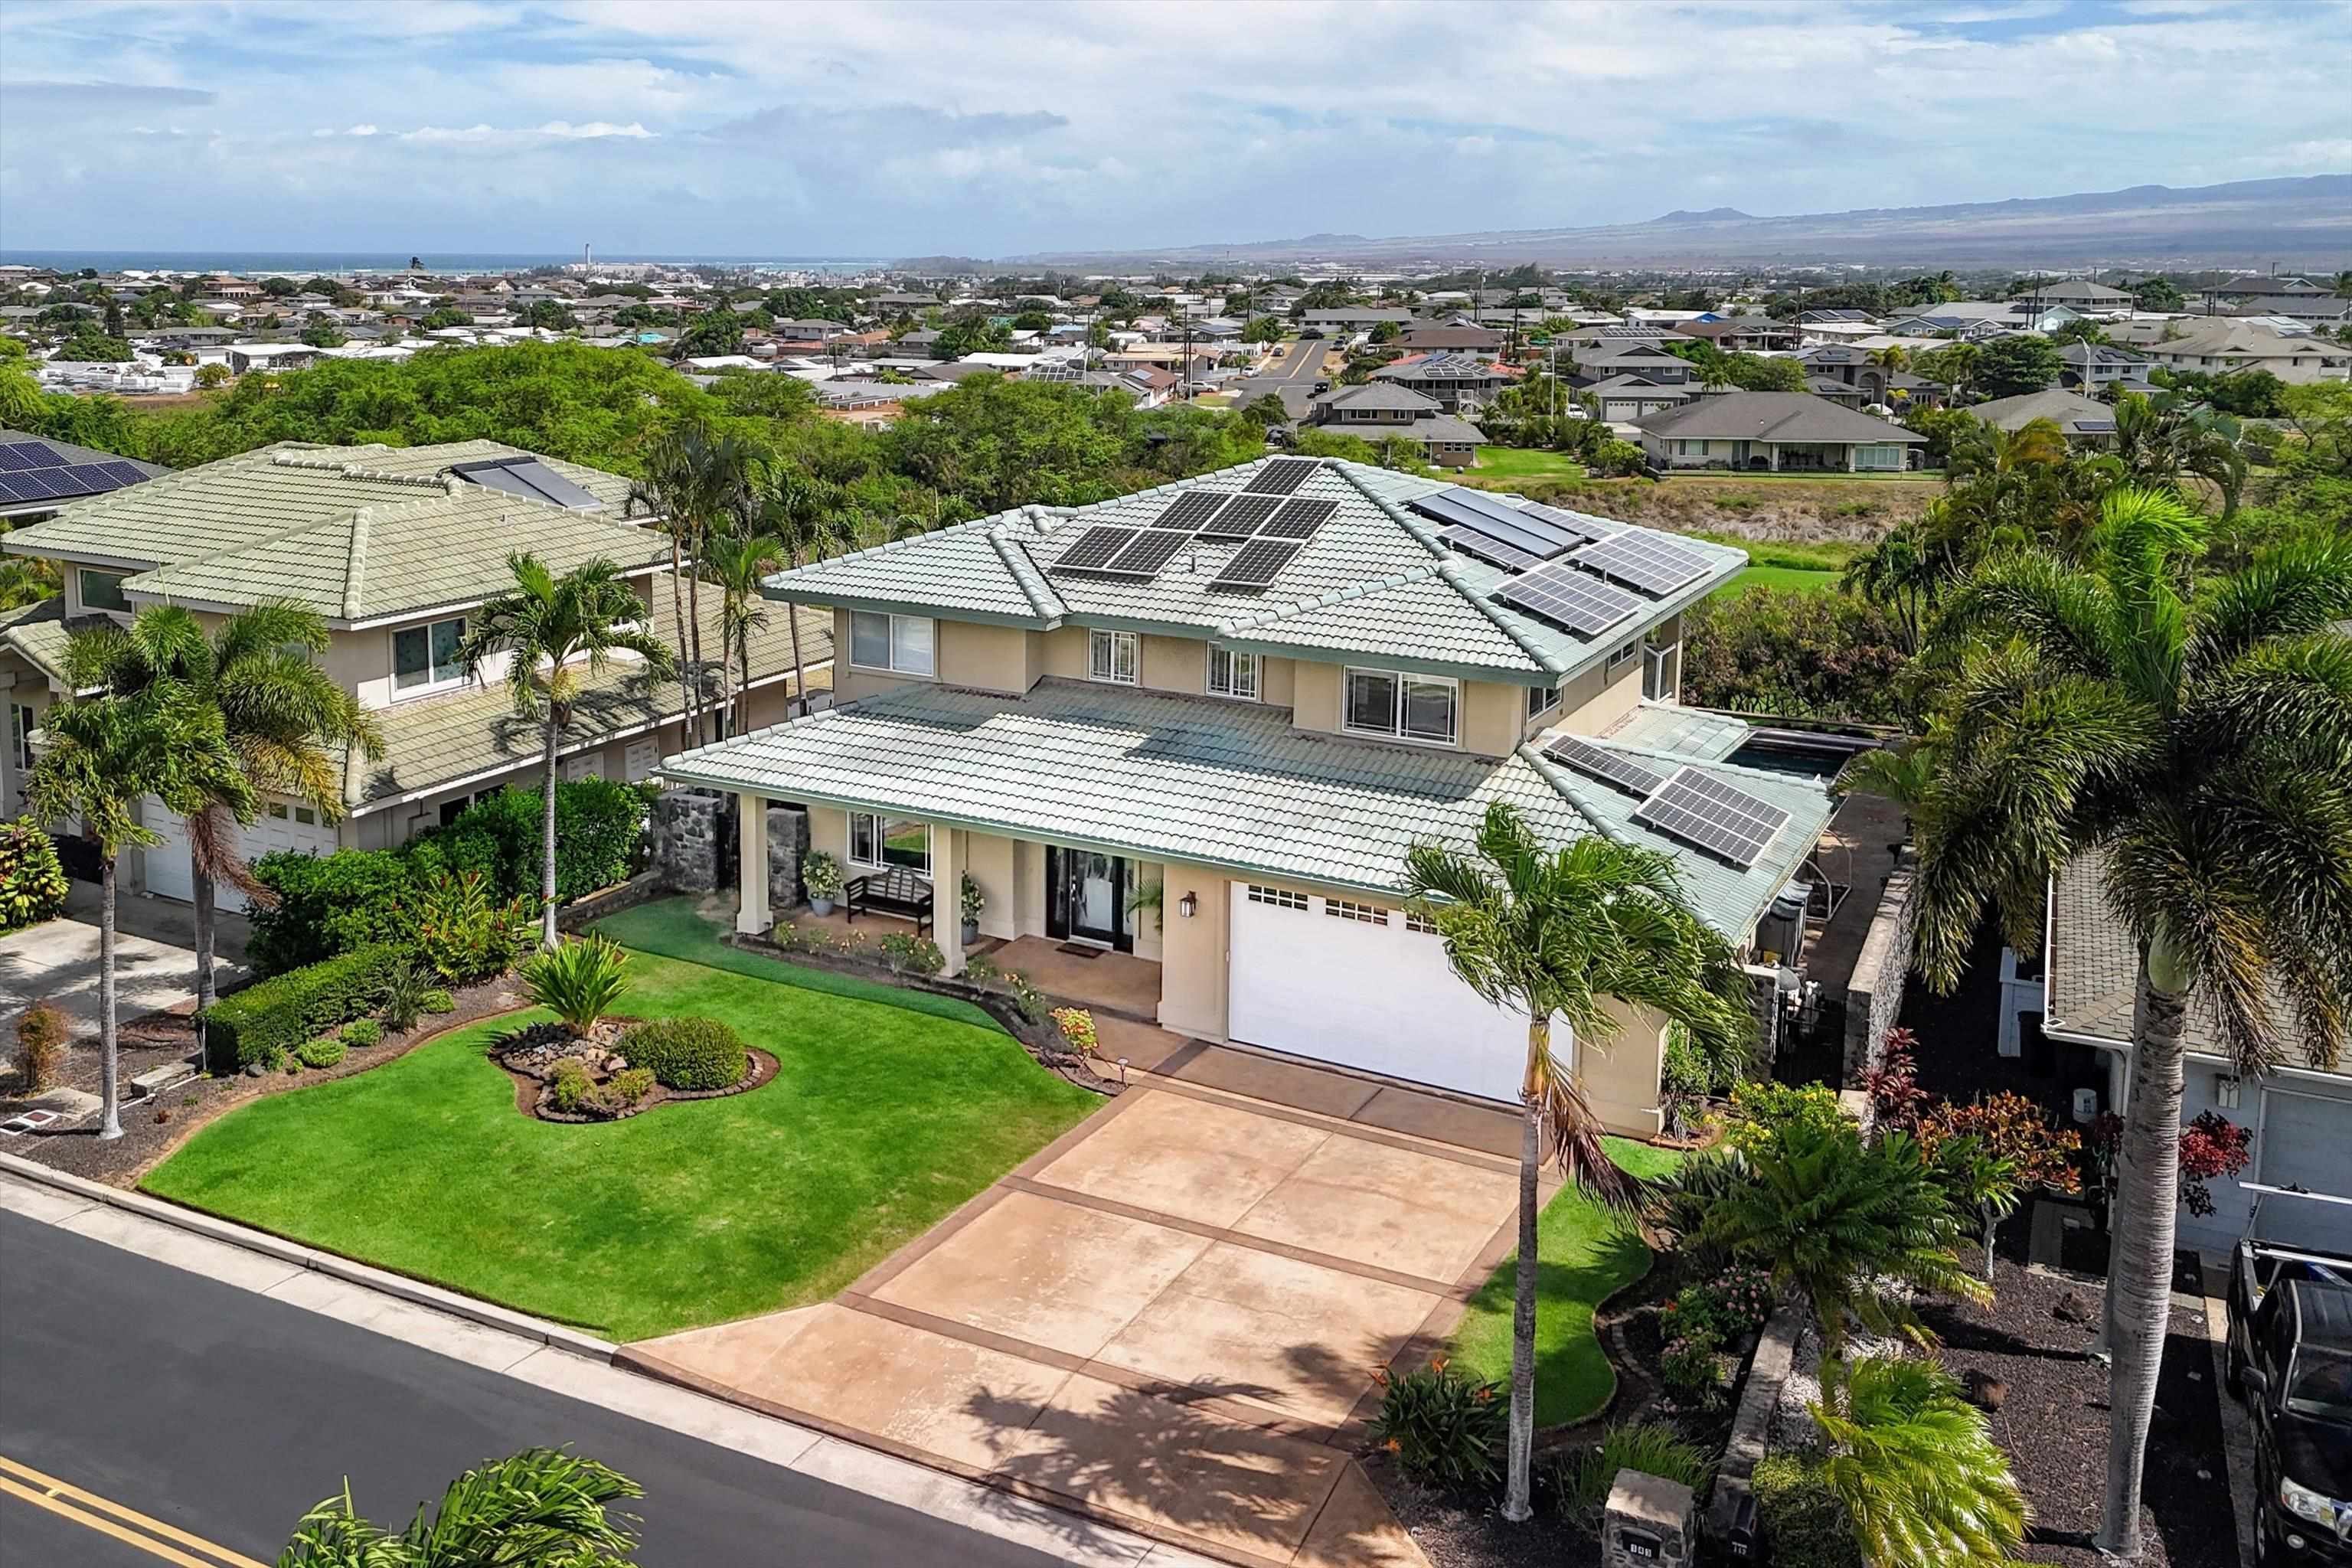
{"x": 1117, "y": 983}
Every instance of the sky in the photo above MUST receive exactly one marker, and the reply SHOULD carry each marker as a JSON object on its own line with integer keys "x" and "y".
{"x": 992, "y": 127}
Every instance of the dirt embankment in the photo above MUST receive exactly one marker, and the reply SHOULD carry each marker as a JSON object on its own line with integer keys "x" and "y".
{"x": 1767, "y": 510}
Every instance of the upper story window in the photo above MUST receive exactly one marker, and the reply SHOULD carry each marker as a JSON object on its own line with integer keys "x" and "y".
{"x": 1407, "y": 706}
{"x": 1232, "y": 674}
{"x": 1617, "y": 656}
{"x": 426, "y": 656}
{"x": 1115, "y": 656}
{"x": 900, "y": 644}
{"x": 1542, "y": 699}
{"x": 103, "y": 590}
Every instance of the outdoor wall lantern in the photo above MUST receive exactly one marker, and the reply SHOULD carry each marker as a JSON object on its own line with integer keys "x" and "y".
{"x": 1189, "y": 905}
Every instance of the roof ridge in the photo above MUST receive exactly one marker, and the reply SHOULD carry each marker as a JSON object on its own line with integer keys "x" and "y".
{"x": 1007, "y": 549}
{"x": 1564, "y": 785}
{"x": 355, "y": 563}
{"x": 1289, "y": 608}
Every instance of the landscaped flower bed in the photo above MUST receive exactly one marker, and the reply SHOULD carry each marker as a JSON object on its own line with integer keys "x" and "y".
{"x": 563, "y": 1077}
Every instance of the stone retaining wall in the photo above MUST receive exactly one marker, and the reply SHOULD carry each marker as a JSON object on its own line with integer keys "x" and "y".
{"x": 1874, "y": 996}
{"x": 1751, "y": 1426}
{"x": 687, "y": 825}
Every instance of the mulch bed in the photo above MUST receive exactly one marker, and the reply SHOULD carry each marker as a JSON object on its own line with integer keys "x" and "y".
{"x": 2053, "y": 1420}
{"x": 158, "y": 1038}
{"x": 531, "y": 1093}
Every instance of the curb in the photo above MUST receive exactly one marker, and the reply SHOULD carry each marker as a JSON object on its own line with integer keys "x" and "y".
{"x": 248, "y": 1239}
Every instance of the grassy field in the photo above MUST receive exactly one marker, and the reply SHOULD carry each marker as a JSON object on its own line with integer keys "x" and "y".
{"x": 1585, "y": 1253}
{"x": 1524, "y": 462}
{"x": 882, "y": 1121}
{"x": 1802, "y": 579}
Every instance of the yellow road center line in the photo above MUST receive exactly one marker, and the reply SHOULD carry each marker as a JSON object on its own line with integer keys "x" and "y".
{"x": 52, "y": 1490}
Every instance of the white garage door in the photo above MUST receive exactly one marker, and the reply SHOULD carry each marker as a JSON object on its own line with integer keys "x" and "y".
{"x": 2306, "y": 1142}
{"x": 282, "y": 824}
{"x": 1355, "y": 985}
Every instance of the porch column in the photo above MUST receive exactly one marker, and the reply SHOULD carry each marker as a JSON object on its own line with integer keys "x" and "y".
{"x": 751, "y": 917}
{"x": 947, "y": 899}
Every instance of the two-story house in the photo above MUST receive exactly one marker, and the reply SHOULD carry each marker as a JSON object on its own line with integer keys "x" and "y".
{"x": 1376, "y": 409}
{"x": 1455, "y": 379}
{"x": 393, "y": 547}
{"x": 1201, "y": 726}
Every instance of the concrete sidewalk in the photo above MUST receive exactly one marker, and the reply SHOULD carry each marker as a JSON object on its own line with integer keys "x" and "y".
{"x": 551, "y": 1357}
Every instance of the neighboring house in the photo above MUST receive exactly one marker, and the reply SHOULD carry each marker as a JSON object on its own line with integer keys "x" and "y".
{"x": 1453, "y": 338}
{"x": 2300, "y": 1113}
{"x": 1356, "y": 318}
{"x": 1209, "y": 744}
{"x": 1850, "y": 366}
{"x": 2086, "y": 421}
{"x": 2078, "y": 294}
{"x": 38, "y": 476}
{"x": 1377, "y": 410}
{"x": 1626, "y": 398}
{"x": 1831, "y": 389}
{"x": 1974, "y": 321}
{"x": 393, "y": 546}
{"x": 1616, "y": 357}
{"x": 1780, "y": 431}
{"x": 2220, "y": 347}
{"x": 2309, "y": 310}
{"x": 1841, "y": 319}
{"x": 1743, "y": 335}
{"x": 1453, "y": 380}
{"x": 2092, "y": 366}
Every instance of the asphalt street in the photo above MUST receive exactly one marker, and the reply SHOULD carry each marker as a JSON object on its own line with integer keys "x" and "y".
{"x": 228, "y": 1415}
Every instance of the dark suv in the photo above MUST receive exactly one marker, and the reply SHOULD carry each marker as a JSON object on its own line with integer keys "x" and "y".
{"x": 2290, "y": 1360}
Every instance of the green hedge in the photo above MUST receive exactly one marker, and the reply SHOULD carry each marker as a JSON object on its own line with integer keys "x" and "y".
{"x": 688, "y": 1053}
{"x": 329, "y": 904}
{"x": 1802, "y": 1519}
{"x": 32, "y": 882}
{"x": 263, "y": 1022}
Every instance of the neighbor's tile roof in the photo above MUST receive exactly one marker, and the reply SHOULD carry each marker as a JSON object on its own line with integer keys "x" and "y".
{"x": 37, "y": 633}
{"x": 438, "y": 741}
{"x": 1773, "y": 416}
{"x": 1374, "y": 582}
{"x": 1229, "y": 785}
{"x": 351, "y": 531}
{"x": 2092, "y": 985}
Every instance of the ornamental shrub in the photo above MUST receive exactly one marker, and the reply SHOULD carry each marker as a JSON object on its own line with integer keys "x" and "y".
{"x": 569, "y": 1085}
{"x": 1794, "y": 654}
{"x": 1653, "y": 1448}
{"x": 688, "y": 1053}
{"x": 1441, "y": 1425}
{"x": 1077, "y": 1027}
{"x": 461, "y": 933}
{"x": 404, "y": 999}
{"x": 41, "y": 1035}
{"x": 578, "y": 981}
{"x": 1688, "y": 1369}
{"x": 326, "y": 904}
{"x": 913, "y": 954}
{"x": 1732, "y": 1303}
{"x": 623, "y": 1090}
{"x": 323, "y": 1052}
{"x": 1801, "y": 1519}
{"x": 265, "y": 1020}
{"x": 437, "y": 1001}
{"x": 364, "y": 1032}
{"x": 32, "y": 882}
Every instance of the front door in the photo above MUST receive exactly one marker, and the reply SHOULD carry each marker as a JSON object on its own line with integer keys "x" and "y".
{"x": 1087, "y": 897}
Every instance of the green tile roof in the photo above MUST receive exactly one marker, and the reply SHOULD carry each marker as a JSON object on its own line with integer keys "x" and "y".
{"x": 37, "y": 633}
{"x": 1689, "y": 733}
{"x": 353, "y": 532}
{"x": 1227, "y": 784}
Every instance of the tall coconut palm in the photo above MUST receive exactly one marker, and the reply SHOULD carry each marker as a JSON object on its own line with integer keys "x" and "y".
{"x": 104, "y": 751}
{"x": 739, "y": 562}
{"x": 1557, "y": 933}
{"x": 284, "y": 716}
{"x": 1917, "y": 1470}
{"x": 553, "y": 630}
{"x": 697, "y": 483}
{"x": 542, "y": 1508}
{"x": 2190, "y": 738}
{"x": 807, "y": 515}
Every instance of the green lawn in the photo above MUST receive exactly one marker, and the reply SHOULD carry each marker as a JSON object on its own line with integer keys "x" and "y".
{"x": 1804, "y": 579}
{"x": 1525, "y": 462}
{"x": 1585, "y": 1253}
{"x": 883, "y": 1119}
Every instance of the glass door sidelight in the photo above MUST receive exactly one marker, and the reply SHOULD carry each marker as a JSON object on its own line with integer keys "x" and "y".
{"x": 1087, "y": 896}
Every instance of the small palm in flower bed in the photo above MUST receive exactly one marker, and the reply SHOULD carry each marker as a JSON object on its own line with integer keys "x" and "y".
{"x": 1442, "y": 1426}
{"x": 578, "y": 981}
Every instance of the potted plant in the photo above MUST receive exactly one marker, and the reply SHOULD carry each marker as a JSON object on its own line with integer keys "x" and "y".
{"x": 820, "y": 875}
{"x": 972, "y": 901}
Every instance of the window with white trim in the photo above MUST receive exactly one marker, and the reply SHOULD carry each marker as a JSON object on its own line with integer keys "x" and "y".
{"x": 103, "y": 590}
{"x": 1407, "y": 707}
{"x": 425, "y": 657}
{"x": 22, "y": 723}
{"x": 1617, "y": 660}
{"x": 1115, "y": 656}
{"x": 903, "y": 645}
{"x": 881, "y": 842}
{"x": 1419, "y": 924}
{"x": 1542, "y": 699}
{"x": 1232, "y": 673}
{"x": 1280, "y": 897}
{"x": 1367, "y": 914}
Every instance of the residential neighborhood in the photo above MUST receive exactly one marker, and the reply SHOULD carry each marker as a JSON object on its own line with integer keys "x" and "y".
{"x": 1030, "y": 787}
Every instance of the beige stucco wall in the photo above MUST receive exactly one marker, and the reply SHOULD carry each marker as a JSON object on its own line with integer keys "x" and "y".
{"x": 988, "y": 858}
{"x": 1063, "y": 652}
{"x": 1315, "y": 695}
{"x": 1494, "y": 715}
{"x": 1594, "y": 701}
{"x": 989, "y": 658}
{"x": 1175, "y": 664}
{"x": 1621, "y": 1076}
{"x": 1193, "y": 954}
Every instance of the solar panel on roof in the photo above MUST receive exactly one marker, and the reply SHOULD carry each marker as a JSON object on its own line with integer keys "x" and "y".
{"x": 1094, "y": 549}
{"x": 1459, "y": 508}
{"x": 77, "y": 479}
{"x": 1298, "y": 519}
{"x": 1243, "y": 518}
{"x": 1493, "y": 552}
{"x": 9, "y": 490}
{"x": 1191, "y": 508}
{"x": 123, "y": 473}
{"x": 1567, "y": 598}
{"x": 1255, "y": 565}
{"x": 1610, "y": 767}
{"x": 34, "y": 485}
{"x": 17, "y": 456}
{"x": 1148, "y": 551}
{"x": 528, "y": 478}
{"x": 1642, "y": 560}
{"x": 1718, "y": 819}
{"x": 1573, "y": 527}
{"x": 1282, "y": 476}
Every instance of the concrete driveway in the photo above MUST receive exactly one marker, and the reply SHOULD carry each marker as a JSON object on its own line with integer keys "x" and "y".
{"x": 154, "y": 962}
{"x": 1171, "y": 1318}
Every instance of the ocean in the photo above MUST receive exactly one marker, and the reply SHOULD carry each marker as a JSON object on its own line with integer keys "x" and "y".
{"x": 311, "y": 263}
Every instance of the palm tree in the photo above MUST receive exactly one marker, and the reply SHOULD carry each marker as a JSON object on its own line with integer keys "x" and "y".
{"x": 104, "y": 753}
{"x": 696, "y": 483}
{"x": 1559, "y": 933}
{"x": 805, "y": 513}
{"x": 284, "y": 716}
{"x": 567, "y": 625}
{"x": 540, "y": 1509}
{"x": 738, "y": 564}
{"x": 2189, "y": 738}
{"x": 1836, "y": 1219}
{"x": 1917, "y": 1470}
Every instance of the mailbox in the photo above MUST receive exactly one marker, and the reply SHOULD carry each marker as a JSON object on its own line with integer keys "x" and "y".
{"x": 1650, "y": 1522}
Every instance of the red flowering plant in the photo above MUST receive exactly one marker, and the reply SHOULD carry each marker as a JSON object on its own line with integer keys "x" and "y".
{"x": 2212, "y": 1147}
{"x": 1895, "y": 1097}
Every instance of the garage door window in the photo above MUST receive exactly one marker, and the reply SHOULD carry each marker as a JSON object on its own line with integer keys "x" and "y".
{"x": 1369, "y": 914}
{"x": 1280, "y": 897}
{"x": 1407, "y": 706}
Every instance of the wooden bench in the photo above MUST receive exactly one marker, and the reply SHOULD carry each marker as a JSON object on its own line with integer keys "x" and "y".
{"x": 894, "y": 893}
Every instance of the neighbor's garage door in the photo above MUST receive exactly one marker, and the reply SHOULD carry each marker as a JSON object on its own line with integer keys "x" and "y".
{"x": 2303, "y": 1143}
{"x": 281, "y": 826}
{"x": 1355, "y": 985}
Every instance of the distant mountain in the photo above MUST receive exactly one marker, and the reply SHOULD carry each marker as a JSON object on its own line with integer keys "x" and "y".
{"x": 2303, "y": 222}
